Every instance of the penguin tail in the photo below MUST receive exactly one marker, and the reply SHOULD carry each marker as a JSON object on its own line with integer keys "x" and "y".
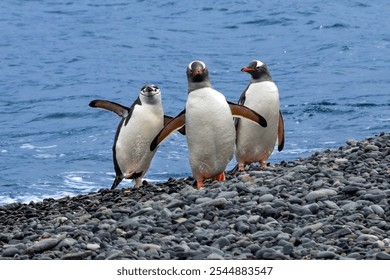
{"x": 116, "y": 182}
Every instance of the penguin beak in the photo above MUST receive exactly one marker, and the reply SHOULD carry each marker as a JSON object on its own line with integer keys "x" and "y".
{"x": 247, "y": 69}
{"x": 197, "y": 72}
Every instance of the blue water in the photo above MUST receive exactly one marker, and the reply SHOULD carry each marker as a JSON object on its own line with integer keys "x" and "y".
{"x": 330, "y": 60}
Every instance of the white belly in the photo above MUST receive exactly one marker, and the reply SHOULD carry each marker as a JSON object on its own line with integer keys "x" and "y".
{"x": 133, "y": 144}
{"x": 256, "y": 143}
{"x": 210, "y": 133}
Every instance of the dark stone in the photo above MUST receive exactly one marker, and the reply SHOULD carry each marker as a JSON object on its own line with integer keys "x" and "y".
{"x": 382, "y": 256}
{"x": 10, "y": 252}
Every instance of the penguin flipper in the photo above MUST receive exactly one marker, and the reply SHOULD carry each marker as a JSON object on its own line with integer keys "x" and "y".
{"x": 280, "y": 132}
{"x": 241, "y": 101}
{"x": 167, "y": 119}
{"x": 117, "y": 108}
{"x": 175, "y": 124}
{"x": 242, "y": 111}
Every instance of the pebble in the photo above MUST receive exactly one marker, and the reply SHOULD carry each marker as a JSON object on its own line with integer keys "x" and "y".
{"x": 320, "y": 194}
{"x": 330, "y": 205}
{"x": 43, "y": 245}
{"x": 383, "y": 256}
{"x": 378, "y": 210}
{"x": 326, "y": 255}
{"x": 10, "y": 252}
{"x": 266, "y": 198}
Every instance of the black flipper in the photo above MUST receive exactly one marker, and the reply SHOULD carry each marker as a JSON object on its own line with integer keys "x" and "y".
{"x": 167, "y": 119}
{"x": 175, "y": 124}
{"x": 241, "y": 101}
{"x": 244, "y": 112}
{"x": 136, "y": 102}
{"x": 117, "y": 108}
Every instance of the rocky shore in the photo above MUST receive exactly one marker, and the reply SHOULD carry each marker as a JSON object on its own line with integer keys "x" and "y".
{"x": 331, "y": 205}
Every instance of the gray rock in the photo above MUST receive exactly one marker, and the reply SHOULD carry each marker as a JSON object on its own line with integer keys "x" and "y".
{"x": 331, "y": 204}
{"x": 77, "y": 256}
{"x": 241, "y": 226}
{"x": 326, "y": 255}
{"x": 270, "y": 254}
{"x": 288, "y": 249}
{"x": 93, "y": 247}
{"x": 367, "y": 238}
{"x": 10, "y": 252}
{"x": 378, "y": 210}
{"x": 382, "y": 256}
{"x": 266, "y": 198}
{"x": 215, "y": 256}
{"x": 217, "y": 202}
{"x": 227, "y": 194}
{"x": 43, "y": 245}
{"x": 320, "y": 194}
{"x": 351, "y": 206}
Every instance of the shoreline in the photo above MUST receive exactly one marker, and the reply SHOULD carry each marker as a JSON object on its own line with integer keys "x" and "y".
{"x": 333, "y": 204}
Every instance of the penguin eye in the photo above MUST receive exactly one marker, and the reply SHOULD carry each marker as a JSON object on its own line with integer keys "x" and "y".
{"x": 258, "y": 68}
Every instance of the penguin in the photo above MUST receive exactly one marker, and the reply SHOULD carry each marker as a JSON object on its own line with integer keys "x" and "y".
{"x": 139, "y": 125}
{"x": 209, "y": 126}
{"x": 255, "y": 143}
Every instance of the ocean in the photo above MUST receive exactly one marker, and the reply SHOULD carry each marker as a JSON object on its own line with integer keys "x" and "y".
{"x": 330, "y": 61}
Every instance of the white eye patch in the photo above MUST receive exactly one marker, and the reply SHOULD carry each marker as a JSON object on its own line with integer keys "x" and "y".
{"x": 259, "y": 63}
{"x": 203, "y": 65}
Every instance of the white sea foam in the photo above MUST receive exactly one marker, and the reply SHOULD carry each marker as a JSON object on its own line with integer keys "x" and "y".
{"x": 79, "y": 180}
{"x": 44, "y": 156}
{"x": 29, "y": 146}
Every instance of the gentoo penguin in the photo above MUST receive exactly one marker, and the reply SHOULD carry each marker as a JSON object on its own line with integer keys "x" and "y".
{"x": 255, "y": 143}
{"x": 139, "y": 125}
{"x": 209, "y": 126}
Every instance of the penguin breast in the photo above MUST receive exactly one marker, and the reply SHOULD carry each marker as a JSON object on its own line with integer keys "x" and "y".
{"x": 133, "y": 141}
{"x": 210, "y": 131}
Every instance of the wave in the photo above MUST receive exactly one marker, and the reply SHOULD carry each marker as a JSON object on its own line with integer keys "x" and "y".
{"x": 267, "y": 22}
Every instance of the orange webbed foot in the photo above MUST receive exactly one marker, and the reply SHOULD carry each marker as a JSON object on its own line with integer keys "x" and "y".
{"x": 220, "y": 177}
{"x": 263, "y": 163}
{"x": 199, "y": 184}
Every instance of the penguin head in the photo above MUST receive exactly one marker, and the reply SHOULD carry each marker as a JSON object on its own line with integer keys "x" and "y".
{"x": 149, "y": 90}
{"x": 197, "y": 72}
{"x": 150, "y": 94}
{"x": 258, "y": 70}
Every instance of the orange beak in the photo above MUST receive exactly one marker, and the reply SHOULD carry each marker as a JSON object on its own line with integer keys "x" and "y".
{"x": 247, "y": 69}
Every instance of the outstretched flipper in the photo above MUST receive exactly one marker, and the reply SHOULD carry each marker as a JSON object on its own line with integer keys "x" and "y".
{"x": 167, "y": 119}
{"x": 175, "y": 124}
{"x": 117, "y": 108}
{"x": 242, "y": 111}
{"x": 280, "y": 132}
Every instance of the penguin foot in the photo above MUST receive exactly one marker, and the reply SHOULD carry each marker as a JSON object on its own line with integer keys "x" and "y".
{"x": 263, "y": 163}
{"x": 220, "y": 177}
{"x": 138, "y": 182}
{"x": 241, "y": 167}
{"x": 199, "y": 184}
